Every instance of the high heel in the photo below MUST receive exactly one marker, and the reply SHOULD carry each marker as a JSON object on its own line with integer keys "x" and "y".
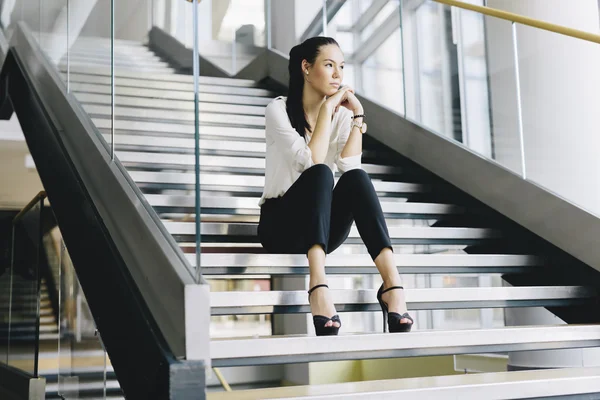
{"x": 393, "y": 319}
{"x": 320, "y": 320}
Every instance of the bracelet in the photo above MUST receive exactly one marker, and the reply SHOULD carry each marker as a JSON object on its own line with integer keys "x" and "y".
{"x": 359, "y": 116}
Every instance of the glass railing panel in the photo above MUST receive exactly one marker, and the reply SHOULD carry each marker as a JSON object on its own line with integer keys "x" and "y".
{"x": 380, "y": 18}
{"x": 227, "y": 326}
{"x": 22, "y": 333}
{"x": 238, "y": 33}
{"x": 304, "y": 19}
{"x": 89, "y": 66}
{"x": 383, "y": 75}
{"x": 559, "y": 86}
{"x": 53, "y": 32}
{"x": 75, "y": 36}
{"x": 197, "y": 210}
{"x": 5, "y": 280}
{"x": 487, "y": 87}
{"x": 82, "y": 362}
{"x": 432, "y": 97}
{"x": 369, "y": 35}
{"x": 340, "y": 28}
{"x": 459, "y": 78}
{"x": 452, "y": 319}
{"x": 147, "y": 95}
{"x": 22, "y": 11}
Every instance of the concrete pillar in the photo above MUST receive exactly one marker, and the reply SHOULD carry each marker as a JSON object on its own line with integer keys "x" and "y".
{"x": 283, "y": 25}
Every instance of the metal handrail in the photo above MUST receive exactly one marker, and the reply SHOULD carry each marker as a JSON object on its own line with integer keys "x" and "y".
{"x": 41, "y": 195}
{"x": 508, "y": 16}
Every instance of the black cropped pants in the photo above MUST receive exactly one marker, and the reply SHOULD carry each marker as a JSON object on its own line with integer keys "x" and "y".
{"x": 313, "y": 212}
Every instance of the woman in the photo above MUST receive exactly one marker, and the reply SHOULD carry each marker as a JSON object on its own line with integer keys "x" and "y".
{"x": 317, "y": 127}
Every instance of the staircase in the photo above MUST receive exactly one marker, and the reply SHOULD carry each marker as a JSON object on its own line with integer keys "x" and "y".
{"x": 435, "y": 229}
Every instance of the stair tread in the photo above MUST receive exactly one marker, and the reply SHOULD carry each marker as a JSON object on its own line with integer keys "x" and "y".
{"x": 170, "y": 104}
{"x": 251, "y": 203}
{"x": 343, "y": 260}
{"x": 506, "y": 385}
{"x": 303, "y": 348}
{"x": 123, "y": 112}
{"x": 168, "y": 129}
{"x": 258, "y": 302}
{"x": 158, "y": 160}
{"x": 171, "y": 77}
{"x": 296, "y": 264}
{"x": 249, "y": 229}
{"x": 168, "y": 94}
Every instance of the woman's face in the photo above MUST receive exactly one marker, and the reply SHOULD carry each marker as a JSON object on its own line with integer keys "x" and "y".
{"x": 327, "y": 73}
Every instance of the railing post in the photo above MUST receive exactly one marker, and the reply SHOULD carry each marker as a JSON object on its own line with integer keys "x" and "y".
{"x": 519, "y": 105}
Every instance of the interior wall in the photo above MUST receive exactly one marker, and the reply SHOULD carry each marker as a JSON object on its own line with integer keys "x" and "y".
{"x": 559, "y": 90}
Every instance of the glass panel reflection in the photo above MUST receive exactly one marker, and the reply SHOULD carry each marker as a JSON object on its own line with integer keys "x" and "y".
{"x": 240, "y": 325}
{"x": 83, "y": 364}
{"x": 382, "y": 74}
{"x": 23, "y": 330}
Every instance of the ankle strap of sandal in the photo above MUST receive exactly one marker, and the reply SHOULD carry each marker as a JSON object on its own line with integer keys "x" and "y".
{"x": 392, "y": 288}
{"x": 316, "y": 287}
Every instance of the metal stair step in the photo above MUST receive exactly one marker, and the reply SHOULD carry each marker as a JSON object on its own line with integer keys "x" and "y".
{"x": 83, "y": 53}
{"x": 351, "y": 247}
{"x": 118, "y": 66}
{"x": 165, "y": 129}
{"x": 97, "y": 71}
{"x": 86, "y": 41}
{"x": 249, "y": 206}
{"x": 168, "y": 104}
{"x": 297, "y": 264}
{"x": 17, "y": 330}
{"x": 302, "y": 348}
{"x": 160, "y": 84}
{"x": 256, "y": 165}
{"x": 143, "y": 60}
{"x": 185, "y": 96}
{"x": 162, "y": 144}
{"x": 399, "y": 235}
{"x": 122, "y": 112}
{"x": 213, "y": 146}
{"x": 210, "y": 182}
{"x": 79, "y": 47}
{"x": 171, "y": 94}
{"x": 537, "y": 384}
{"x": 287, "y": 302}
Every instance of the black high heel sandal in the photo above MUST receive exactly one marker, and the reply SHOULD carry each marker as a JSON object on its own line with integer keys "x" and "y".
{"x": 321, "y": 320}
{"x": 393, "y": 319}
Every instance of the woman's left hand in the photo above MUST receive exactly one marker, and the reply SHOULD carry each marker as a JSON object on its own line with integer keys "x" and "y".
{"x": 352, "y": 103}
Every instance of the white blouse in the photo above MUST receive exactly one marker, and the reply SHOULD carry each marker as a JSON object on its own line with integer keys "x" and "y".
{"x": 288, "y": 154}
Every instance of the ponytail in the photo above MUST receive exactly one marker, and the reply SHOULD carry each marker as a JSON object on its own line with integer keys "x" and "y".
{"x": 307, "y": 50}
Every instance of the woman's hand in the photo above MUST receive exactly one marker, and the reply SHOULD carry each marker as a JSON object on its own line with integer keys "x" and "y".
{"x": 333, "y": 102}
{"x": 352, "y": 103}
{"x": 344, "y": 97}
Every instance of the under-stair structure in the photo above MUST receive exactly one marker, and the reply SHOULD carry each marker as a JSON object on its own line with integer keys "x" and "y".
{"x": 436, "y": 228}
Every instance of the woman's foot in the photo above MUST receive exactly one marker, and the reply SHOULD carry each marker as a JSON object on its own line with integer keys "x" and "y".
{"x": 321, "y": 304}
{"x": 395, "y": 301}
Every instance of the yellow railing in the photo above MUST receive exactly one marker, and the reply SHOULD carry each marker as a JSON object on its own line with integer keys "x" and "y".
{"x": 41, "y": 195}
{"x": 493, "y": 12}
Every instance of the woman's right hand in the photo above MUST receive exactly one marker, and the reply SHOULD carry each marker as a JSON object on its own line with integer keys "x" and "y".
{"x": 333, "y": 102}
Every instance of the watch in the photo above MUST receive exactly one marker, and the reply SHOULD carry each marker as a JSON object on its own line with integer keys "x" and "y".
{"x": 362, "y": 126}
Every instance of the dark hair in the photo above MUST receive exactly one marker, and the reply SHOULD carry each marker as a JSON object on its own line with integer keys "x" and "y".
{"x": 307, "y": 50}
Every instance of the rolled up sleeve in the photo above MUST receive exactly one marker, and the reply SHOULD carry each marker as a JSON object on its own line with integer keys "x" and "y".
{"x": 347, "y": 163}
{"x": 280, "y": 133}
